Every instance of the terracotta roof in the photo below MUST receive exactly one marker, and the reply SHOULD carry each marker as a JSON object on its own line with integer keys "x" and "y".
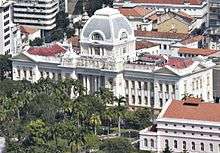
{"x": 196, "y": 51}
{"x": 193, "y": 39}
{"x": 183, "y": 14}
{"x": 155, "y": 34}
{"x": 191, "y": 2}
{"x": 193, "y": 109}
{"x": 28, "y": 30}
{"x": 179, "y": 63}
{"x": 74, "y": 40}
{"x": 144, "y": 44}
{"x": 51, "y": 50}
{"x": 135, "y": 11}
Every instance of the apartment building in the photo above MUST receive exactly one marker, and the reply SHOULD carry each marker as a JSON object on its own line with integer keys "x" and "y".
{"x": 7, "y": 28}
{"x": 39, "y": 14}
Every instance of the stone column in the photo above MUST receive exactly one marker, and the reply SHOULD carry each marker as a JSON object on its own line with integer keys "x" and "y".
{"x": 88, "y": 83}
{"x": 95, "y": 83}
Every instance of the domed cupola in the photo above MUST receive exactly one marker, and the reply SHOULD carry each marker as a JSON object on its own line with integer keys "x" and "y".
{"x": 107, "y": 26}
{"x": 107, "y": 34}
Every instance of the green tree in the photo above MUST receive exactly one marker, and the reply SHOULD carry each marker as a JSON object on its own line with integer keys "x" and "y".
{"x": 116, "y": 145}
{"x": 95, "y": 121}
{"x": 37, "y": 131}
{"x": 5, "y": 66}
{"x": 92, "y": 142}
{"x": 36, "y": 42}
{"x": 120, "y": 110}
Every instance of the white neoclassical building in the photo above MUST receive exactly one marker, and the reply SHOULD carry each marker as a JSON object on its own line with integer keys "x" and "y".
{"x": 108, "y": 59}
{"x": 190, "y": 125}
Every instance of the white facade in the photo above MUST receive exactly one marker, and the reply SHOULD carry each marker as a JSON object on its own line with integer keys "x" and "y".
{"x": 179, "y": 134}
{"x": 106, "y": 61}
{"x": 7, "y": 28}
{"x": 39, "y": 14}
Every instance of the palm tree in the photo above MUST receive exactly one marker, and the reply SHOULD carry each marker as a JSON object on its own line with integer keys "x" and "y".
{"x": 120, "y": 109}
{"x": 95, "y": 121}
{"x": 108, "y": 115}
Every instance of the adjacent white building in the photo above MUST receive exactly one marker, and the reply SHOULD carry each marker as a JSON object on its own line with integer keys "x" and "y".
{"x": 39, "y": 14}
{"x": 184, "y": 125}
{"x": 108, "y": 59}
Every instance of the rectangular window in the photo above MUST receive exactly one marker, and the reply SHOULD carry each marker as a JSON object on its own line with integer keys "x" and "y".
{"x": 200, "y": 83}
{"x": 7, "y": 43}
{"x": 133, "y": 99}
{"x": 164, "y": 47}
{"x": 6, "y": 30}
{"x": 161, "y": 88}
{"x": 127, "y": 99}
{"x": 139, "y": 99}
{"x": 7, "y": 36}
{"x": 133, "y": 84}
{"x": 19, "y": 73}
{"x": 167, "y": 88}
{"x": 152, "y": 86}
{"x": 126, "y": 83}
{"x": 97, "y": 50}
{"x": 173, "y": 88}
{"x": 139, "y": 85}
{"x": 161, "y": 102}
{"x": 6, "y": 16}
{"x": 146, "y": 100}
{"x": 6, "y": 23}
{"x": 145, "y": 85}
{"x": 31, "y": 73}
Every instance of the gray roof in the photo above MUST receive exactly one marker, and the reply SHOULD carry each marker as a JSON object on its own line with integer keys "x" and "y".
{"x": 108, "y": 24}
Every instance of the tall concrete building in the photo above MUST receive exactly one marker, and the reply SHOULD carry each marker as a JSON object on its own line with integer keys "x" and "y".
{"x": 39, "y": 14}
{"x": 7, "y": 28}
{"x": 214, "y": 19}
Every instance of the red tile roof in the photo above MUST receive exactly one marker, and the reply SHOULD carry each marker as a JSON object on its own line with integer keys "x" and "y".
{"x": 196, "y": 51}
{"x": 191, "y": 2}
{"x": 135, "y": 11}
{"x": 155, "y": 34}
{"x": 144, "y": 44}
{"x": 193, "y": 39}
{"x": 51, "y": 50}
{"x": 179, "y": 63}
{"x": 193, "y": 109}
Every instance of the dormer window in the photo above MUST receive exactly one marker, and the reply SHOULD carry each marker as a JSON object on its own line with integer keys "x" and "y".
{"x": 97, "y": 36}
{"x": 123, "y": 36}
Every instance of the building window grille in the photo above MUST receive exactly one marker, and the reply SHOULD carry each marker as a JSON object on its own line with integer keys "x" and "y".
{"x": 175, "y": 144}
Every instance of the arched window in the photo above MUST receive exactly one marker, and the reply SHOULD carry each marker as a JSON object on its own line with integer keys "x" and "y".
{"x": 123, "y": 36}
{"x": 166, "y": 143}
{"x": 97, "y": 36}
{"x": 175, "y": 144}
{"x": 184, "y": 145}
{"x": 202, "y": 146}
{"x": 193, "y": 146}
{"x": 151, "y": 142}
{"x": 211, "y": 147}
{"x": 145, "y": 142}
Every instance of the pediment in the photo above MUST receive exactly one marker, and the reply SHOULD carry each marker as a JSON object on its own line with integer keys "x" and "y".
{"x": 23, "y": 57}
{"x": 165, "y": 71}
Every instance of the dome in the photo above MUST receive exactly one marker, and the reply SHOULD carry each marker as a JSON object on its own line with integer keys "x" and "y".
{"x": 109, "y": 25}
